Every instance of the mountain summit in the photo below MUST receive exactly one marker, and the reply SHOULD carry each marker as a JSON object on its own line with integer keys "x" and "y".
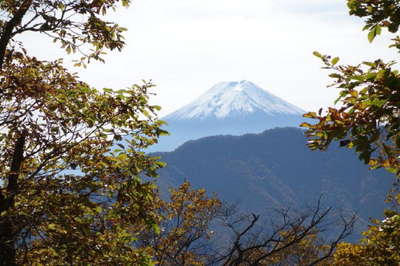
{"x": 235, "y": 98}
{"x": 228, "y": 108}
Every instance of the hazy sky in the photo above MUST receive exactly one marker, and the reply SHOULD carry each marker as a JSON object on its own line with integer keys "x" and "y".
{"x": 186, "y": 46}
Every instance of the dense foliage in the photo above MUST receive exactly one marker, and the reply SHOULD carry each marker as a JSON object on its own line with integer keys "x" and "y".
{"x": 51, "y": 125}
{"x": 67, "y": 195}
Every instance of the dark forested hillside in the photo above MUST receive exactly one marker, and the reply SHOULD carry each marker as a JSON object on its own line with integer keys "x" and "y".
{"x": 276, "y": 169}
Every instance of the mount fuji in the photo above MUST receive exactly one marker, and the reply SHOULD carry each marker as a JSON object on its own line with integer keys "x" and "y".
{"x": 228, "y": 108}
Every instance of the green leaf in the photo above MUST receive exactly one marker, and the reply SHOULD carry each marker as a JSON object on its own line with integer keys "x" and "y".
{"x": 317, "y": 54}
{"x": 51, "y": 226}
{"x": 305, "y": 124}
{"x": 335, "y": 75}
{"x": 335, "y": 60}
{"x": 371, "y": 36}
{"x": 163, "y": 132}
{"x": 156, "y": 229}
{"x": 310, "y": 115}
{"x": 376, "y": 30}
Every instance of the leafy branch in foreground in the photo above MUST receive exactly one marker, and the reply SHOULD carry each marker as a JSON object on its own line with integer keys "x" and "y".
{"x": 67, "y": 194}
{"x": 368, "y": 116}
{"x": 78, "y": 25}
{"x": 367, "y": 119}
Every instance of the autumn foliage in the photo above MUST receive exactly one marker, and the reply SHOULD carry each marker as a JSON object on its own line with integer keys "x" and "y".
{"x": 67, "y": 193}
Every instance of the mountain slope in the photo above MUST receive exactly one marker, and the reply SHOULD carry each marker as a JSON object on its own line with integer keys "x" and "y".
{"x": 228, "y": 108}
{"x": 275, "y": 169}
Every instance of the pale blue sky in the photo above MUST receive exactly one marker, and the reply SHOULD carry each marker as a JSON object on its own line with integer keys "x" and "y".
{"x": 186, "y": 46}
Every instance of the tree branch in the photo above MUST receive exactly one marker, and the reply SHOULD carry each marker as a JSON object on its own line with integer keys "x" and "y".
{"x": 7, "y": 32}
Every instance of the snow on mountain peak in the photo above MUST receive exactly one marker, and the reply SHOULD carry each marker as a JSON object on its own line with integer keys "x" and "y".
{"x": 233, "y": 98}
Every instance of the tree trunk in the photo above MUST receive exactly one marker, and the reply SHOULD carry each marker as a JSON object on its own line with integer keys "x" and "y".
{"x": 7, "y": 243}
{"x": 7, "y": 31}
{"x": 7, "y": 228}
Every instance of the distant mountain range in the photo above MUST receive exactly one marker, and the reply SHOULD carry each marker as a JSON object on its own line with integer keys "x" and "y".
{"x": 269, "y": 170}
{"x": 275, "y": 169}
{"x": 233, "y": 108}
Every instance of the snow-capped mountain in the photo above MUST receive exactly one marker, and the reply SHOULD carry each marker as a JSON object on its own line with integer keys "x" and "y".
{"x": 228, "y": 108}
{"x": 234, "y": 98}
